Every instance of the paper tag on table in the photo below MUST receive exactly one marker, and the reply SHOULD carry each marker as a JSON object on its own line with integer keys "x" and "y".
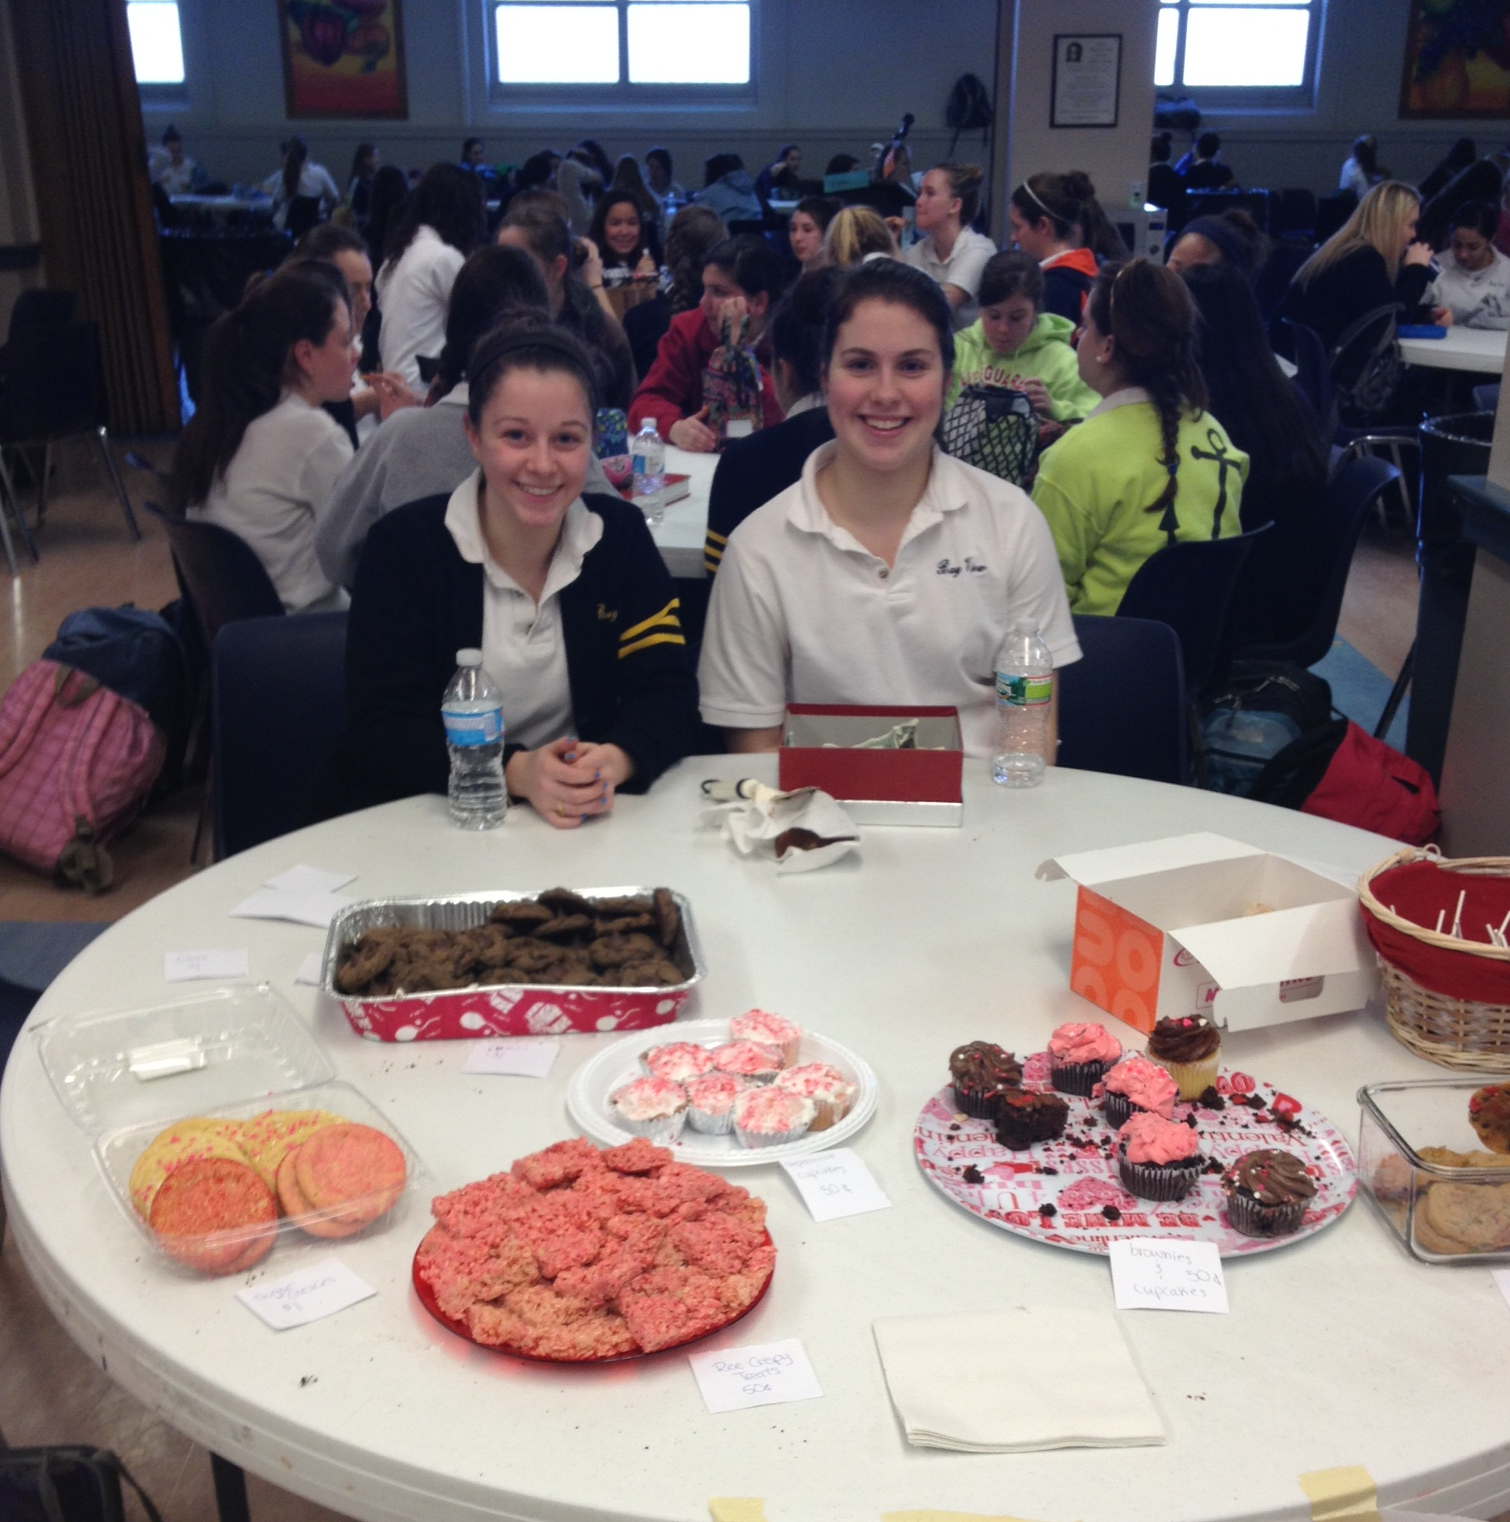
{"x": 322, "y": 1289}
{"x": 185, "y": 966}
{"x": 526, "y": 1056}
{"x": 835, "y": 1183}
{"x": 308, "y": 880}
{"x": 317, "y": 909}
{"x": 1153, "y": 1274}
{"x": 309, "y": 969}
{"x": 756, "y": 1376}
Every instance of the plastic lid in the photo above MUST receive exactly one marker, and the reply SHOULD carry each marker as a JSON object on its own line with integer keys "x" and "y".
{"x": 1026, "y": 626}
{"x": 469, "y": 657}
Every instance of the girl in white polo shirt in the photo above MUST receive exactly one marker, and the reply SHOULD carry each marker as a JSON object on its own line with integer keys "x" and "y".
{"x": 890, "y": 573}
{"x": 950, "y": 249}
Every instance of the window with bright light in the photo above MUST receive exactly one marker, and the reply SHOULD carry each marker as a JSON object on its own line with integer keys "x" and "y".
{"x": 624, "y": 44}
{"x": 157, "y": 49}
{"x": 1240, "y": 45}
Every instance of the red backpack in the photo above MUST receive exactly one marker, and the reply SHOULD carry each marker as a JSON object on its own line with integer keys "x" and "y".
{"x": 76, "y": 762}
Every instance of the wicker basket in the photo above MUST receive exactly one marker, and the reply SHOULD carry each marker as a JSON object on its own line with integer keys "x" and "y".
{"x": 1454, "y": 1032}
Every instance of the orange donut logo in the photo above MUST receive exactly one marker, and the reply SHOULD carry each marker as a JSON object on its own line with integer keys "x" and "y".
{"x": 1115, "y": 962}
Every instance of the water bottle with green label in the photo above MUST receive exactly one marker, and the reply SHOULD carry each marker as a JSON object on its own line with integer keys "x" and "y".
{"x": 1024, "y": 690}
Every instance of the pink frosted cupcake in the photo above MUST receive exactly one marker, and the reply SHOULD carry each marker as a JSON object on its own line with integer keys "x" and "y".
{"x": 654, "y": 1108}
{"x": 830, "y": 1091}
{"x": 1079, "y": 1056}
{"x": 711, "y": 1102}
{"x": 1136, "y": 1084}
{"x": 678, "y": 1061}
{"x": 747, "y": 1059}
{"x": 1158, "y": 1159}
{"x": 769, "y": 1030}
{"x": 768, "y": 1116}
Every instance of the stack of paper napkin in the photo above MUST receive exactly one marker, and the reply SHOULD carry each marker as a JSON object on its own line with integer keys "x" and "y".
{"x": 1015, "y": 1380}
{"x": 801, "y": 830}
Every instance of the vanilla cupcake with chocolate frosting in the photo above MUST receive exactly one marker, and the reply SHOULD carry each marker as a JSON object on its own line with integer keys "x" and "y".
{"x": 1189, "y": 1048}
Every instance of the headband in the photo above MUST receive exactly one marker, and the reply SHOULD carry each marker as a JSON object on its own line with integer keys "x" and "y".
{"x": 492, "y": 347}
{"x": 1053, "y": 216}
{"x": 1227, "y": 241}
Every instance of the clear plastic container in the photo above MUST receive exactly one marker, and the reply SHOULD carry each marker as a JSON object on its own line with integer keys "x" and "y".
{"x": 1441, "y": 1213}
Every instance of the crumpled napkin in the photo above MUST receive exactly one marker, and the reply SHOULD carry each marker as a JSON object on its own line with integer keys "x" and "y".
{"x": 801, "y": 830}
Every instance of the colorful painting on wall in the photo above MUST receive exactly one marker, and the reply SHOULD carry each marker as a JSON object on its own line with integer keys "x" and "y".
{"x": 343, "y": 58}
{"x": 1457, "y": 59}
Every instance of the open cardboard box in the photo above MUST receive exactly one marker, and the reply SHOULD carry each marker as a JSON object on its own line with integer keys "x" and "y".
{"x": 1171, "y": 927}
{"x": 921, "y": 786}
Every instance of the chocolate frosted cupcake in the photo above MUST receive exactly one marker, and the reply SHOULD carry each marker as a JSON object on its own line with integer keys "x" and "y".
{"x": 1079, "y": 1056}
{"x": 982, "y": 1072}
{"x": 1158, "y": 1159}
{"x": 1189, "y": 1049}
{"x": 1026, "y": 1117}
{"x": 1267, "y": 1193}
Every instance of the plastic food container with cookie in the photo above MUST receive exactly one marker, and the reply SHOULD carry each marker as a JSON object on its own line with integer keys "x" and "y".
{"x": 220, "y": 1130}
{"x": 512, "y": 964}
{"x": 1434, "y": 1157}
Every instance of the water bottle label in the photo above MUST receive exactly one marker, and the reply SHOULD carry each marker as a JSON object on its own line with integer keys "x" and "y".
{"x": 473, "y": 728}
{"x": 1024, "y": 691}
{"x": 639, "y": 464}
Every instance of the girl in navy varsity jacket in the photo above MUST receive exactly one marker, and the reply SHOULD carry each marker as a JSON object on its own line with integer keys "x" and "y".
{"x": 566, "y": 596}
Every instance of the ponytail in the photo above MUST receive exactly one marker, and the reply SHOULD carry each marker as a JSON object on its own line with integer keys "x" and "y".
{"x": 293, "y": 166}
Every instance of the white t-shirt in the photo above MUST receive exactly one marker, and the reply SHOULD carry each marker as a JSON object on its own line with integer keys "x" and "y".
{"x": 274, "y": 490}
{"x": 523, "y": 645}
{"x": 413, "y": 295}
{"x": 962, "y": 268}
{"x": 1478, "y": 298}
{"x": 808, "y": 615}
{"x": 314, "y": 181}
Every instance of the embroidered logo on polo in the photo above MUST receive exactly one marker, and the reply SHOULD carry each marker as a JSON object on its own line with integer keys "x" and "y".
{"x": 970, "y": 565}
{"x": 607, "y": 614}
{"x": 663, "y": 628}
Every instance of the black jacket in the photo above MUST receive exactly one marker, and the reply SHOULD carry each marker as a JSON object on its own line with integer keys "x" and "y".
{"x": 754, "y": 470}
{"x": 416, "y": 602}
{"x": 1354, "y": 286}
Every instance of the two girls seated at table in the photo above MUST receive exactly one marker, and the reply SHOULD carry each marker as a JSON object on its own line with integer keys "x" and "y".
{"x": 566, "y": 596}
{"x": 743, "y": 277}
{"x": 1473, "y": 289}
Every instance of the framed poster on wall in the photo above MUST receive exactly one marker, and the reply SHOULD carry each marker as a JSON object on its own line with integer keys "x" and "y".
{"x": 1457, "y": 59}
{"x": 1087, "y": 80}
{"x": 343, "y": 58}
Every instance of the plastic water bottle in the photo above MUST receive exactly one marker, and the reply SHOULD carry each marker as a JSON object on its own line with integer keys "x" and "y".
{"x": 1024, "y": 687}
{"x": 647, "y": 458}
{"x": 472, "y": 711}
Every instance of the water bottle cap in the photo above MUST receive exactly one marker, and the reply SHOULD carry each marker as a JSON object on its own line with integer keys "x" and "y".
{"x": 1026, "y": 626}
{"x": 469, "y": 657}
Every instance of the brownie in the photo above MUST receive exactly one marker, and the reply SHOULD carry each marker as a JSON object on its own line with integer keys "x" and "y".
{"x": 1026, "y": 1116}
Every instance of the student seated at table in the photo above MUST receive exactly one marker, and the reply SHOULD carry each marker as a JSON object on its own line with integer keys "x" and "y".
{"x": 751, "y": 471}
{"x": 300, "y": 176}
{"x": 170, "y": 167}
{"x": 434, "y": 231}
{"x": 805, "y": 231}
{"x": 950, "y": 249}
{"x": 1201, "y": 167}
{"x": 1229, "y": 237}
{"x": 260, "y": 455}
{"x": 364, "y": 166}
{"x": 782, "y": 178}
{"x": 1473, "y": 288}
{"x": 856, "y": 235}
{"x": 630, "y": 269}
{"x": 1373, "y": 260}
{"x": 536, "y": 222}
{"x": 742, "y": 276}
{"x": 729, "y": 190}
{"x": 1057, "y": 219}
{"x": 1149, "y": 465}
{"x": 566, "y": 596}
{"x": 694, "y": 231}
{"x": 628, "y": 176}
{"x": 1016, "y": 344}
{"x": 661, "y": 181}
{"x": 1361, "y": 170}
{"x": 890, "y": 573}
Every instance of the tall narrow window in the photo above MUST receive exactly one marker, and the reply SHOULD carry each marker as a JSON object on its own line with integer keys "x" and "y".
{"x": 157, "y": 49}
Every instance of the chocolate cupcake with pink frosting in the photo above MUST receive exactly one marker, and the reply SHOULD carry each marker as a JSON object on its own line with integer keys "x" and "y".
{"x": 1158, "y": 1159}
{"x": 1079, "y": 1056}
{"x": 1136, "y": 1085}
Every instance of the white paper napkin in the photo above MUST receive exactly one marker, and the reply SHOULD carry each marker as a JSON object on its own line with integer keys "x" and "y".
{"x": 1016, "y": 1380}
{"x": 755, "y": 823}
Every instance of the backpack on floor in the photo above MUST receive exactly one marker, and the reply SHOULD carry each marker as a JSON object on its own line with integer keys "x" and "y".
{"x": 73, "y": 1483}
{"x": 1263, "y": 707}
{"x": 76, "y": 763}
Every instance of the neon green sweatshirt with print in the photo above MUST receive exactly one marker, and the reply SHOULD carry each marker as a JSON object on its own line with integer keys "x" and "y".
{"x": 1096, "y": 483}
{"x": 1045, "y": 355}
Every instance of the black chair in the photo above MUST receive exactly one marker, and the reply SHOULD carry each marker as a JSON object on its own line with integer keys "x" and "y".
{"x": 278, "y": 704}
{"x": 1273, "y": 280}
{"x": 1486, "y": 398}
{"x": 1189, "y": 587}
{"x": 1212, "y": 203}
{"x": 644, "y": 327}
{"x": 1294, "y": 214}
{"x": 1306, "y": 636}
{"x": 303, "y": 213}
{"x": 33, "y": 308}
{"x": 1122, "y": 706}
{"x": 1332, "y": 211}
{"x": 1303, "y": 347}
{"x": 52, "y": 388}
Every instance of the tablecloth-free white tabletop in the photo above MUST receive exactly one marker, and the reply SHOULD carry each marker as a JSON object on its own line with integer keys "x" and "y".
{"x": 1481, "y": 350}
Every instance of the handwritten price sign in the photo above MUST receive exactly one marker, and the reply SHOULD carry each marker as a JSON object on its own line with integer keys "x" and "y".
{"x": 322, "y": 1289}
{"x": 835, "y": 1183}
{"x": 1150, "y": 1274}
{"x": 756, "y": 1376}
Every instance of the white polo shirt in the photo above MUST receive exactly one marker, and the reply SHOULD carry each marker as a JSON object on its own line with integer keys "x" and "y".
{"x": 523, "y": 645}
{"x": 808, "y": 615}
{"x": 967, "y": 259}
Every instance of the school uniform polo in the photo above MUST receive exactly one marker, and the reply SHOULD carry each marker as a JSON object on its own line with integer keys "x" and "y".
{"x": 963, "y": 268}
{"x": 802, "y": 612}
{"x": 523, "y": 644}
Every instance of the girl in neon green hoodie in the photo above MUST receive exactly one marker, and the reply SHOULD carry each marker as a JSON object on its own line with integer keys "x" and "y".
{"x": 1015, "y": 344}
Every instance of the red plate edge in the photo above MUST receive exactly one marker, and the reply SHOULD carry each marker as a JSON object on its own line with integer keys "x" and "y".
{"x": 426, "y": 1297}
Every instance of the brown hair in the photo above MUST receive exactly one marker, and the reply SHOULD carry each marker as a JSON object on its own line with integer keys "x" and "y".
{"x": 1069, "y": 202}
{"x": 1150, "y": 316}
{"x": 964, "y": 182}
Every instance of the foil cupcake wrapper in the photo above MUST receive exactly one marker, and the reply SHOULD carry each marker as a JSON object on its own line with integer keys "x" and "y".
{"x": 663, "y": 1130}
{"x": 769, "y": 1138}
{"x": 709, "y": 1123}
{"x": 1078, "y": 1077}
{"x": 1255, "y": 1219}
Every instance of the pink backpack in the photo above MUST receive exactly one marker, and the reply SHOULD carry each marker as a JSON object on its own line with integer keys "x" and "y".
{"x": 76, "y": 762}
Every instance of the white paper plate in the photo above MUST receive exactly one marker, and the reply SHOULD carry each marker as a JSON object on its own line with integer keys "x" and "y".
{"x": 587, "y": 1096}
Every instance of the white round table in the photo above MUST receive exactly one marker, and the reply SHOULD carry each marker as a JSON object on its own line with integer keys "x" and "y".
{"x": 1339, "y": 1349}
{"x": 1480, "y": 350}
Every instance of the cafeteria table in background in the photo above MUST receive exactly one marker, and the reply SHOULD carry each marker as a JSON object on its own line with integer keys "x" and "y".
{"x": 1340, "y": 1349}
{"x": 679, "y": 535}
{"x": 1481, "y": 350}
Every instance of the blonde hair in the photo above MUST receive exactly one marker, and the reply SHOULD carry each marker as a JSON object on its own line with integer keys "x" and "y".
{"x": 1378, "y": 222}
{"x": 855, "y": 232}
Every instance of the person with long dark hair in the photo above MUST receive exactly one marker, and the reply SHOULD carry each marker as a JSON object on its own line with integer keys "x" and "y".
{"x": 949, "y": 249}
{"x": 890, "y": 573}
{"x": 390, "y": 187}
{"x": 804, "y": 233}
{"x": 260, "y": 455}
{"x": 1229, "y": 237}
{"x": 1149, "y": 465}
{"x": 562, "y": 590}
{"x": 1057, "y": 219}
{"x": 630, "y": 263}
{"x": 1473, "y": 287}
{"x": 1361, "y": 171}
{"x": 436, "y": 228}
{"x": 300, "y": 176}
{"x": 661, "y": 181}
{"x": 364, "y": 165}
{"x": 694, "y": 230}
{"x": 783, "y": 177}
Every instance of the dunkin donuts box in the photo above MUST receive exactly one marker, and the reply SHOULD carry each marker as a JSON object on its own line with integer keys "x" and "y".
{"x": 1201, "y": 923}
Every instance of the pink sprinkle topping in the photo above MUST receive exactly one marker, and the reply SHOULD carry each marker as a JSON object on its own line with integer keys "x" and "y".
{"x": 772, "y": 1111}
{"x": 761, "y": 1025}
{"x": 749, "y": 1058}
{"x": 679, "y": 1061}
{"x": 816, "y": 1080}
{"x": 648, "y": 1098}
{"x": 715, "y": 1094}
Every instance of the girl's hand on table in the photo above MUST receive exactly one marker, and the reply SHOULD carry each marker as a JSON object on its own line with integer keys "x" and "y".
{"x": 693, "y": 434}
{"x": 568, "y": 780}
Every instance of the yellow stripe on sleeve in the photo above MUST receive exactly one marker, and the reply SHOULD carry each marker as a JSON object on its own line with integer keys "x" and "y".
{"x": 667, "y": 615}
{"x": 717, "y": 538}
{"x": 652, "y": 639}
